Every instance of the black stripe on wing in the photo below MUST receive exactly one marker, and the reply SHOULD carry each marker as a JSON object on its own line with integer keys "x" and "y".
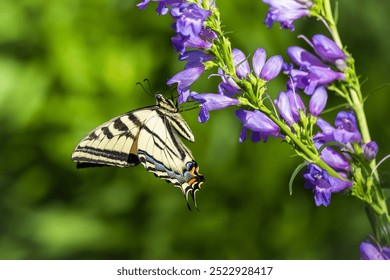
{"x": 111, "y": 158}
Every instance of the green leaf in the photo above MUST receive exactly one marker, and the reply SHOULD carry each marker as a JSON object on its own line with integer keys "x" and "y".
{"x": 296, "y": 171}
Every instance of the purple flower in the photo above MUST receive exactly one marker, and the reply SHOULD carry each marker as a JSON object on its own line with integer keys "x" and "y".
{"x": 240, "y": 63}
{"x": 312, "y": 71}
{"x": 304, "y": 58}
{"x": 323, "y": 184}
{"x": 228, "y": 86}
{"x": 184, "y": 79}
{"x": 284, "y": 108}
{"x": 371, "y": 252}
{"x": 162, "y": 7}
{"x": 266, "y": 70}
{"x": 189, "y": 19}
{"x": 189, "y": 29}
{"x": 332, "y": 158}
{"x": 286, "y": 11}
{"x": 195, "y": 58}
{"x": 261, "y": 125}
{"x": 211, "y": 101}
{"x": 347, "y": 128}
{"x": 329, "y": 51}
{"x": 318, "y": 101}
{"x": 370, "y": 150}
{"x": 192, "y": 71}
{"x": 296, "y": 104}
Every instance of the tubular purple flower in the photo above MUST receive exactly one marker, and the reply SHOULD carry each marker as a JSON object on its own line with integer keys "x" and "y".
{"x": 240, "y": 63}
{"x": 228, "y": 89}
{"x": 323, "y": 184}
{"x": 325, "y": 127}
{"x": 211, "y": 101}
{"x": 324, "y": 75}
{"x": 299, "y": 79}
{"x": 162, "y": 7}
{"x": 189, "y": 19}
{"x": 332, "y": 158}
{"x": 190, "y": 32}
{"x": 286, "y": 11}
{"x": 283, "y": 104}
{"x": 184, "y": 79}
{"x": 317, "y": 101}
{"x": 309, "y": 78}
{"x": 228, "y": 86}
{"x": 327, "y": 49}
{"x": 180, "y": 43}
{"x": 261, "y": 125}
{"x": 347, "y": 128}
{"x": 296, "y": 104}
{"x": 312, "y": 72}
{"x": 371, "y": 252}
{"x": 195, "y": 58}
{"x": 370, "y": 150}
{"x": 272, "y": 68}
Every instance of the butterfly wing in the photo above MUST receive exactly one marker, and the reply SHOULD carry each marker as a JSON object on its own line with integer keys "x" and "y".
{"x": 163, "y": 153}
{"x": 113, "y": 143}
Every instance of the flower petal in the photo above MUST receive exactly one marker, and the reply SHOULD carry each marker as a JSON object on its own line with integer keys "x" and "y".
{"x": 317, "y": 101}
{"x": 258, "y": 61}
{"x": 212, "y": 101}
{"x": 258, "y": 122}
{"x": 283, "y": 104}
{"x": 240, "y": 63}
{"x": 272, "y": 67}
{"x": 327, "y": 49}
{"x": 184, "y": 79}
{"x": 302, "y": 57}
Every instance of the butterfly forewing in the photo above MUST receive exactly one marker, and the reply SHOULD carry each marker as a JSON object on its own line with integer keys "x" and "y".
{"x": 112, "y": 143}
{"x": 147, "y": 135}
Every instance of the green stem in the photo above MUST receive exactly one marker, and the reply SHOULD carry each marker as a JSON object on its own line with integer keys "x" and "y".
{"x": 332, "y": 24}
{"x": 355, "y": 99}
{"x": 313, "y": 157}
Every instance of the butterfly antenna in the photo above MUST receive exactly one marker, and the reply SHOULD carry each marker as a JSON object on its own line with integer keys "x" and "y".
{"x": 148, "y": 91}
{"x": 149, "y": 87}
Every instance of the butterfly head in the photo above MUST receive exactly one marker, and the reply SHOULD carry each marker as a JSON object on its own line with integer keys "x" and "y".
{"x": 166, "y": 103}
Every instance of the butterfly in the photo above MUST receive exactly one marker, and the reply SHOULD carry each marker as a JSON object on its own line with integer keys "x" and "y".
{"x": 150, "y": 136}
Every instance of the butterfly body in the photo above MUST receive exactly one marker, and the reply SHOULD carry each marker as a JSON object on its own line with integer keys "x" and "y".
{"x": 148, "y": 136}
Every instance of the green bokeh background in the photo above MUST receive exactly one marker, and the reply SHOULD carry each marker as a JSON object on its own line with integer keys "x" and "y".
{"x": 67, "y": 66}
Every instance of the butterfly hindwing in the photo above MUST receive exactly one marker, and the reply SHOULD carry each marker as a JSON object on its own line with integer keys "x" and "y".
{"x": 162, "y": 152}
{"x": 149, "y": 136}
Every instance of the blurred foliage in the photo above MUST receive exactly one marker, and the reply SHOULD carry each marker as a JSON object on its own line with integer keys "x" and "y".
{"x": 67, "y": 66}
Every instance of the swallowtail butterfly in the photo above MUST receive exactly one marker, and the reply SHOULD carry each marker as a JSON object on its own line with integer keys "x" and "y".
{"x": 149, "y": 136}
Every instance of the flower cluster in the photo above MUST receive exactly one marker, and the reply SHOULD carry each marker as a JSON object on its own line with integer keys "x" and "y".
{"x": 191, "y": 39}
{"x": 313, "y": 75}
{"x": 336, "y": 156}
